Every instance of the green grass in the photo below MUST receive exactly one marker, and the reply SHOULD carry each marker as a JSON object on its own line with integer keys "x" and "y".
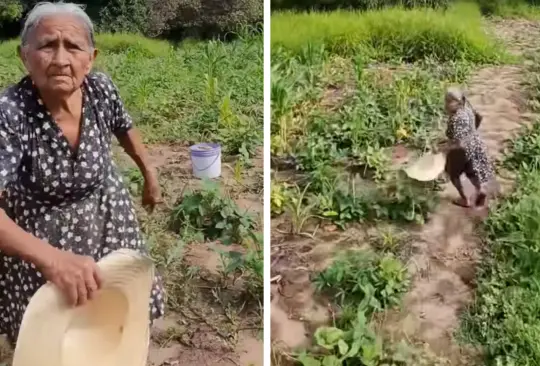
{"x": 510, "y": 9}
{"x": 505, "y": 317}
{"x": 524, "y": 11}
{"x": 192, "y": 91}
{"x": 410, "y": 35}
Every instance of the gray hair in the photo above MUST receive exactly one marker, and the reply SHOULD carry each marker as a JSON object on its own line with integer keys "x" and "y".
{"x": 45, "y": 9}
{"x": 455, "y": 93}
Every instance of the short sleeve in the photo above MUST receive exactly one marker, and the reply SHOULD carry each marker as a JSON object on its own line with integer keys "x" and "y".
{"x": 10, "y": 152}
{"x": 121, "y": 121}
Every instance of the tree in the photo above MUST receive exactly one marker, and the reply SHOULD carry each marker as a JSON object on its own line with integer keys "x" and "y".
{"x": 10, "y": 10}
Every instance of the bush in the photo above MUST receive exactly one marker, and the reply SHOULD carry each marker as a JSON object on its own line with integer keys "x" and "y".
{"x": 124, "y": 16}
{"x": 10, "y": 10}
{"x": 174, "y": 18}
{"x": 203, "y": 18}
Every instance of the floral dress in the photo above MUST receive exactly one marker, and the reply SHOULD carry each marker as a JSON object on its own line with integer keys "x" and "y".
{"x": 74, "y": 200}
{"x": 461, "y": 127}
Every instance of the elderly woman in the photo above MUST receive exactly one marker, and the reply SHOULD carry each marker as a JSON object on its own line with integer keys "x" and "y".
{"x": 64, "y": 205}
{"x": 466, "y": 153}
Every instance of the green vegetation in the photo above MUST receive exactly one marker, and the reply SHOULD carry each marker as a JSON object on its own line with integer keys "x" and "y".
{"x": 176, "y": 19}
{"x": 363, "y": 275}
{"x": 194, "y": 92}
{"x": 527, "y": 9}
{"x": 505, "y": 316}
{"x": 179, "y": 94}
{"x": 408, "y": 35}
{"x": 352, "y": 91}
{"x": 356, "y": 4}
{"x": 338, "y": 118}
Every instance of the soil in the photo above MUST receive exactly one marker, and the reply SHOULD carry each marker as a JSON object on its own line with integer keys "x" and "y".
{"x": 202, "y": 331}
{"x": 445, "y": 251}
{"x": 207, "y": 345}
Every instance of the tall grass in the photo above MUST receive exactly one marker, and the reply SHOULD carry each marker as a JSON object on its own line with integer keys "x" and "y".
{"x": 177, "y": 92}
{"x": 411, "y": 35}
{"x": 510, "y": 8}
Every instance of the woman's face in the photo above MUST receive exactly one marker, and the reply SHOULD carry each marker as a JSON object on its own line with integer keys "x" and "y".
{"x": 58, "y": 54}
{"x": 451, "y": 104}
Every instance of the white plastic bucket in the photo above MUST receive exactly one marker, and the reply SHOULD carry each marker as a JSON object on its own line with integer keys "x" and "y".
{"x": 206, "y": 160}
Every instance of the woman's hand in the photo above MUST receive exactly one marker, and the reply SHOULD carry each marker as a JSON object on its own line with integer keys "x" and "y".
{"x": 77, "y": 276}
{"x": 151, "y": 193}
{"x": 445, "y": 146}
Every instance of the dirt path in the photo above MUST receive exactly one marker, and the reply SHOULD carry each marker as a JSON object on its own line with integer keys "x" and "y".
{"x": 447, "y": 249}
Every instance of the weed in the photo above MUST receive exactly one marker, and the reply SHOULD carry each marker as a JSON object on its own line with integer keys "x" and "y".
{"x": 504, "y": 316}
{"x": 279, "y": 196}
{"x": 524, "y": 151}
{"x": 361, "y": 275}
{"x": 357, "y": 344}
{"x": 299, "y": 209}
{"x": 134, "y": 179}
{"x": 217, "y": 217}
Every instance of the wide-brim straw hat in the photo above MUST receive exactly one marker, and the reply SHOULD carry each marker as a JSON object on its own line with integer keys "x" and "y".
{"x": 110, "y": 330}
{"x": 426, "y": 168}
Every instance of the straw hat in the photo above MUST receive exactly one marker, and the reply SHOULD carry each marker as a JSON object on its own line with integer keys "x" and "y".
{"x": 110, "y": 330}
{"x": 426, "y": 168}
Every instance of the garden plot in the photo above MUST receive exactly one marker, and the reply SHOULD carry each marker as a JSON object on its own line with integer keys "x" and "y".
{"x": 207, "y": 237}
{"x": 369, "y": 267}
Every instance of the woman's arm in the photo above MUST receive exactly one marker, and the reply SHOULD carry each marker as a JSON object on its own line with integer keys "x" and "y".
{"x": 16, "y": 242}
{"x": 77, "y": 276}
{"x": 130, "y": 139}
{"x": 132, "y": 144}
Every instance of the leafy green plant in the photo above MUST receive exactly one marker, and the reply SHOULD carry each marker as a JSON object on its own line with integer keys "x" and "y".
{"x": 524, "y": 151}
{"x": 134, "y": 180}
{"x": 250, "y": 263}
{"x": 217, "y": 217}
{"x": 299, "y": 207}
{"x": 280, "y": 195}
{"x": 361, "y": 275}
{"x": 357, "y": 344}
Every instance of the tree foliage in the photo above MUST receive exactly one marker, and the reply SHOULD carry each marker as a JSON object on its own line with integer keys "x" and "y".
{"x": 175, "y": 18}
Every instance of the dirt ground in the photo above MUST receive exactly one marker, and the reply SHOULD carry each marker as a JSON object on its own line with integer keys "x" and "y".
{"x": 212, "y": 339}
{"x": 444, "y": 251}
{"x": 206, "y": 327}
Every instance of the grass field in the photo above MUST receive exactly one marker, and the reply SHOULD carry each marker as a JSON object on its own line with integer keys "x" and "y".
{"x": 377, "y": 268}
{"x": 207, "y": 239}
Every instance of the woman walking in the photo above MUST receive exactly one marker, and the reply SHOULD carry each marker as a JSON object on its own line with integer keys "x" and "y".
{"x": 64, "y": 205}
{"x": 466, "y": 153}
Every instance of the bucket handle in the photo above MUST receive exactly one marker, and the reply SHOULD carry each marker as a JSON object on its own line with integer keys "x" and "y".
{"x": 209, "y": 165}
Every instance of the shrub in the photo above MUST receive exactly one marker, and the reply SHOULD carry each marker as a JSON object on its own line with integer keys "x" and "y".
{"x": 10, "y": 10}
{"x": 174, "y": 18}
{"x": 202, "y": 18}
{"x": 124, "y": 16}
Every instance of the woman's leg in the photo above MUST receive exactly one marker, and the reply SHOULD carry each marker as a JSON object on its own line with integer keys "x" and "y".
{"x": 455, "y": 166}
{"x": 481, "y": 190}
{"x": 481, "y": 195}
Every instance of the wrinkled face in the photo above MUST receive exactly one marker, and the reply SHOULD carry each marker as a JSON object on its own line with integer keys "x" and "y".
{"x": 58, "y": 54}
{"x": 451, "y": 104}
